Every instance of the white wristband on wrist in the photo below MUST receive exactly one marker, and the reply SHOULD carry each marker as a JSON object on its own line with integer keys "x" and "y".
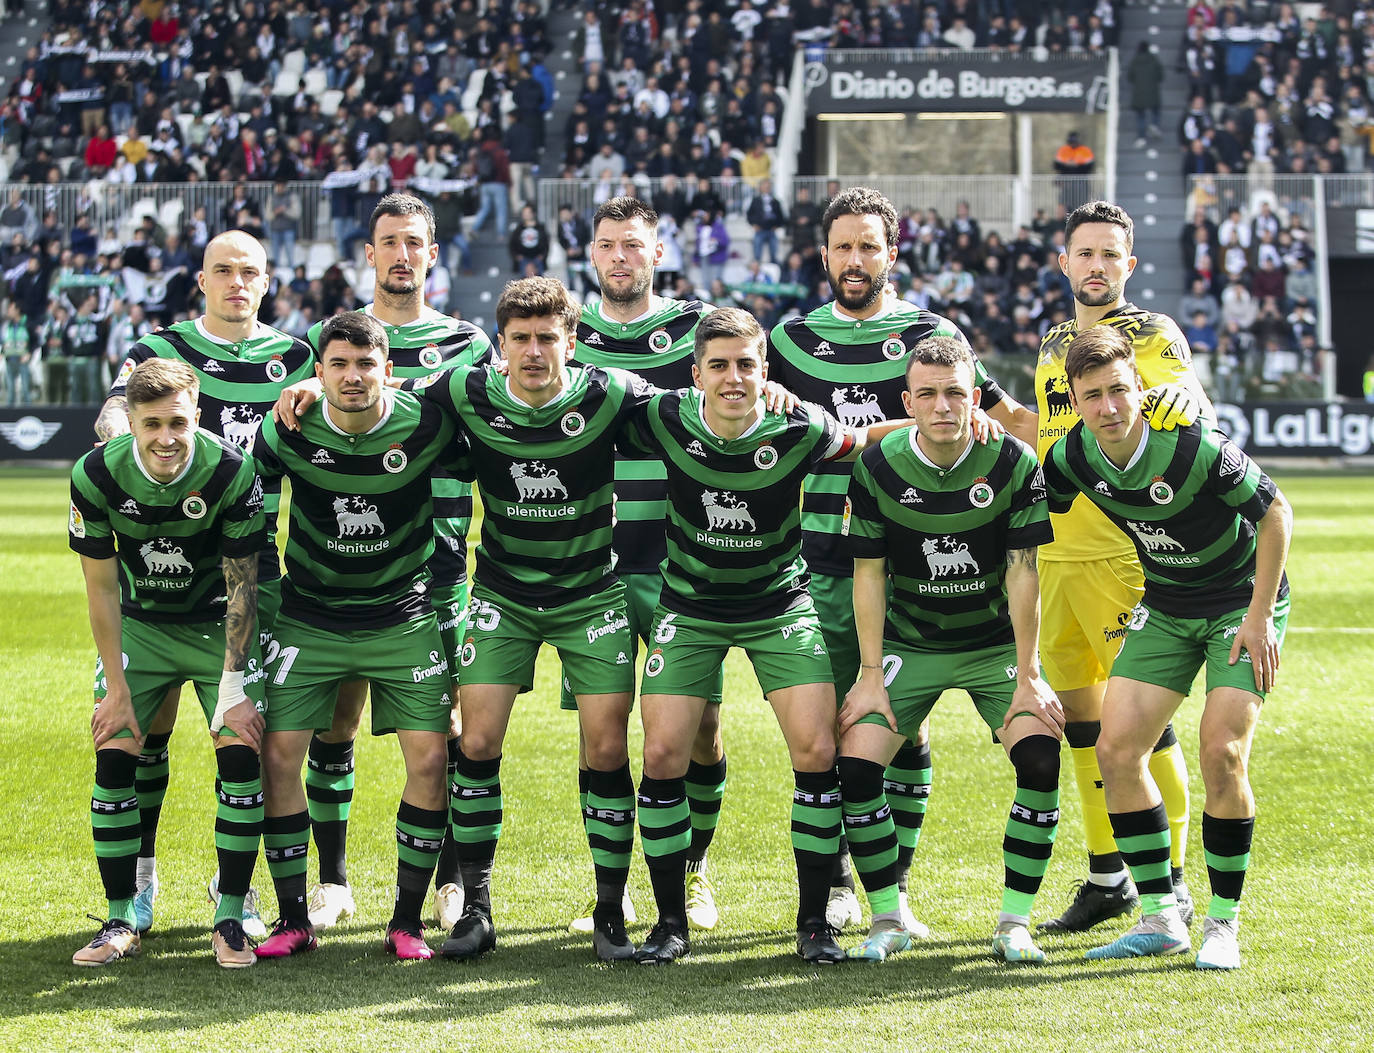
{"x": 230, "y": 695}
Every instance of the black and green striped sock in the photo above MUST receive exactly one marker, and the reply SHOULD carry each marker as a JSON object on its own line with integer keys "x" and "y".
{"x": 329, "y": 797}
{"x": 816, "y": 825}
{"x": 286, "y": 841}
{"x": 419, "y": 833}
{"x": 476, "y": 811}
{"x": 872, "y": 835}
{"x": 1143, "y": 838}
{"x": 705, "y": 789}
{"x": 665, "y": 831}
{"x": 1032, "y": 824}
{"x": 115, "y": 829}
{"x": 1226, "y": 844}
{"x": 150, "y": 783}
{"x": 609, "y": 819}
{"x": 238, "y": 826}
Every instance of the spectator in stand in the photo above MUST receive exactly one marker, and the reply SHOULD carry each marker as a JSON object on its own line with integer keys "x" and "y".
{"x": 1199, "y": 300}
{"x": 529, "y": 244}
{"x": 283, "y": 225}
{"x": 573, "y": 237}
{"x": 712, "y": 245}
{"x": 491, "y": 165}
{"x": 1073, "y": 161}
{"x": 766, "y": 216}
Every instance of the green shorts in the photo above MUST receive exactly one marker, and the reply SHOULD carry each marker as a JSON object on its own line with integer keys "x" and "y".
{"x": 1166, "y": 651}
{"x": 160, "y": 656}
{"x": 641, "y": 600}
{"x": 916, "y": 679}
{"x": 405, "y": 664}
{"x": 687, "y": 652}
{"x": 451, "y": 608}
{"x": 592, "y": 637}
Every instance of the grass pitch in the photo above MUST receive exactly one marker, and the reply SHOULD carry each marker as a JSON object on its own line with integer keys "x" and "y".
{"x": 1307, "y": 908}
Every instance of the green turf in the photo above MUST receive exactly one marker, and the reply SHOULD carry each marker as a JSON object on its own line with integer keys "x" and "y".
{"x": 1307, "y": 907}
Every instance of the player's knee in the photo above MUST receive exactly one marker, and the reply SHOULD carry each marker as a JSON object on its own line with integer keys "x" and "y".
{"x": 663, "y": 760}
{"x": 1223, "y": 762}
{"x": 280, "y": 765}
{"x": 1036, "y": 760}
{"x": 1118, "y": 757}
{"x": 860, "y": 780}
{"x": 817, "y": 753}
{"x": 480, "y": 743}
{"x": 237, "y": 763}
{"x": 922, "y": 736}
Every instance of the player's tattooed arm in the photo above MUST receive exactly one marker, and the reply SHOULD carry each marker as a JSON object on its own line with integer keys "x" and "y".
{"x": 1023, "y": 557}
{"x": 113, "y": 418}
{"x": 241, "y": 618}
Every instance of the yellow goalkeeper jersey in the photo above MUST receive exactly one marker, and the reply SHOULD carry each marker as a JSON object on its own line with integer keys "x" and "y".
{"x": 1162, "y": 356}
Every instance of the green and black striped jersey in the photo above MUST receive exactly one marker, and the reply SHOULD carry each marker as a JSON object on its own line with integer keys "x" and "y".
{"x": 658, "y": 348}
{"x": 434, "y": 342}
{"x": 169, "y": 538}
{"x": 544, "y": 475}
{"x": 734, "y": 519}
{"x": 945, "y": 534}
{"x": 856, "y": 369}
{"x": 361, "y": 531}
{"x": 239, "y": 383}
{"x": 1189, "y": 499}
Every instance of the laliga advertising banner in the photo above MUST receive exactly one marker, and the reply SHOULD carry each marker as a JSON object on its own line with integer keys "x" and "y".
{"x": 942, "y": 81}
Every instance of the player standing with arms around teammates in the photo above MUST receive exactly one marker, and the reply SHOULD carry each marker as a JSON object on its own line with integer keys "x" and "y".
{"x": 735, "y": 576}
{"x": 241, "y": 366}
{"x": 1090, "y": 577}
{"x": 401, "y": 249}
{"x": 630, "y": 328}
{"x": 850, "y": 355}
{"x": 543, "y": 437}
{"x": 356, "y": 606}
{"x": 168, "y": 520}
{"x": 1212, "y": 532}
{"x": 949, "y": 529}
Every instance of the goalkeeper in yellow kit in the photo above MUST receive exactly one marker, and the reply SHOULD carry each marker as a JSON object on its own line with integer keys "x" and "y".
{"x": 1090, "y": 578}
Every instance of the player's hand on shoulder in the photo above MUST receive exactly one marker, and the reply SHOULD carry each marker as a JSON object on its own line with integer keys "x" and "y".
{"x": 247, "y": 723}
{"x": 1033, "y": 697}
{"x": 1258, "y": 638}
{"x": 292, "y": 403}
{"x": 984, "y": 428}
{"x": 866, "y": 697}
{"x": 1169, "y": 406}
{"x": 777, "y": 399}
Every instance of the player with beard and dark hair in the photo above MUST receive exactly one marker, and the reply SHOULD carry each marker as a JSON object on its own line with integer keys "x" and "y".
{"x": 849, "y": 356}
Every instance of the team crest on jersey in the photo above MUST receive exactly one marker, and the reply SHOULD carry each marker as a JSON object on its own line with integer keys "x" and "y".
{"x": 130, "y": 508}
{"x": 823, "y": 350}
{"x": 160, "y": 556}
{"x": 725, "y": 511}
{"x": 856, "y": 406}
{"x": 654, "y": 664}
{"x": 356, "y": 517}
{"x": 573, "y": 424}
{"x": 945, "y": 557}
{"x": 1102, "y": 488}
{"x": 1153, "y": 537}
{"x": 276, "y": 369}
{"x": 765, "y": 456}
{"x": 1232, "y": 466}
{"x": 194, "y": 507}
{"x": 239, "y": 424}
{"x": 76, "y": 523}
{"x": 695, "y": 448}
{"x": 395, "y": 459}
{"x": 893, "y": 348}
{"x": 912, "y": 496}
{"x": 535, "y": 480}
{"x": 468, "y": 653}
{"x": 321, "y": 457}
{"x": 1161, "y": 493}
{"x": 660, "y": 341}
{"x": 211, "y": 366}
{"x": 429, "y": 356}
{"x": 1057, "y": 396}
{"x": 980, "y": 494}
